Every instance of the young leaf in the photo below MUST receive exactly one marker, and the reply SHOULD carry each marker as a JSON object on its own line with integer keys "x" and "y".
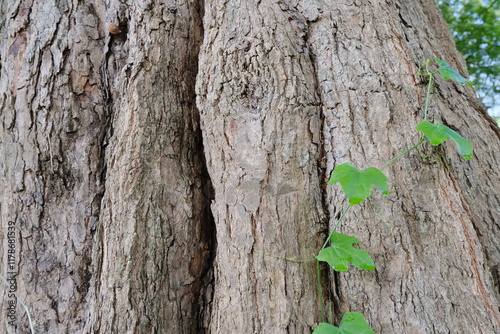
{"x": 354, "y": 323}
{"x": 351, "y": 323}
{"x": 324, "y": 328}
{"x": 463, "y": 145}
{"x": 448, "y": 72}
{"x": 341, "y": 252}
{"x": 432, "y": 132}
{"x": 356, "y": 184}
{"x": 436, "y": 134}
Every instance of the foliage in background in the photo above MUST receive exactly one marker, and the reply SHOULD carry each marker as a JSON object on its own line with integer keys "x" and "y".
{"x": 475, "y": 24}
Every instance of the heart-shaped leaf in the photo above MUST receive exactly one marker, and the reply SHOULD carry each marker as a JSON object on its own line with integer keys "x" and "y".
{"x": 351, "y": 323}
{"x": 438, "y": 133}
{"x": 448, "y": 72}
{"x": 357, "y": 185}
{"x": 341, "y": 252}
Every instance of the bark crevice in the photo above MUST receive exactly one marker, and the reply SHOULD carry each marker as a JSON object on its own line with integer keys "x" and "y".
{"x": 209, "y": 230}
{"x": 329, "y": 278}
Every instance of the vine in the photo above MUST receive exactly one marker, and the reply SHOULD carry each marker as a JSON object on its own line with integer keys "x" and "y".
{"x": 338, "y": 250}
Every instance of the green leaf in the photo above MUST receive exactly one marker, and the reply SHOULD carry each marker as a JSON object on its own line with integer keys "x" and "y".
{"x": 463, "y": 145}
{"x": 356, "y": 184}
{"x": 448, "y": 72}
{"x": 438, "y": 133}
{"x": 351, "y": 323}
{"x": 324, "y": 328}
{"x": 354, "y": 323}
{"x": 432, "y": 132}
{"x": 341, "y": 252}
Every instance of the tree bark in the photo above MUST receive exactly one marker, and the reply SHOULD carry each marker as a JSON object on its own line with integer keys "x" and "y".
{"x": 157, "y": 171}
{"x": 260, "y": 114}
{"x": 104, "y": 174}
{"x": 153, "y": 247}
{"x": 54, "y": 124}
{"x": 442, "y": 209}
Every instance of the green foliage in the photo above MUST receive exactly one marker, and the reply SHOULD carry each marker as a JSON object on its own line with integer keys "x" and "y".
{"x": 448, "y": 72}
{"x": 341, "y": 253}
{"x": 438, "y": 133}
{"x": 351, "y": 323}
{"x": 356, "y": 184}
{"x": 475, "y": 25}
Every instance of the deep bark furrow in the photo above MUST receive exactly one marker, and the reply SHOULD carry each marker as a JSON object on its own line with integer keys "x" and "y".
{"x": 329, "y": 279}
{"x": 207, "y": 226}
{"x": 157, "y": 190}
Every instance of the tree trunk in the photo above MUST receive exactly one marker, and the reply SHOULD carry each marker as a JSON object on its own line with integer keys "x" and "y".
{"x": 140, "y": 204}
{"x": 104, "y": 174}
{"x": 260, "y": 112}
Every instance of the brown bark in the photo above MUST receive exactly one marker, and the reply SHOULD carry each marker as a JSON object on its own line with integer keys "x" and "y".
{"x": 363, "y": 59}
{"x": 153, "y": 246}
{"x": 261, "y": 125}
{"x": 54, "y": 120}
{"x": 107, "y": 181}
{"x": 436, "y": 270}
{"x": 104, "y": 173}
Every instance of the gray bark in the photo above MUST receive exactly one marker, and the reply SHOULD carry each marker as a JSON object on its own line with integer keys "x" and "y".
{"x": 152, "y": 170}
{"x": 54, "y": 120}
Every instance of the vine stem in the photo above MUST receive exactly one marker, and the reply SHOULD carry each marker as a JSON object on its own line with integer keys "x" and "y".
{"x": 285, "y": 258}
{"x": 388, "y": 163}
{"x": 426, "y": 109}
{"x": 336, "y": 225}
{"x": 428, "y": 96}
{"x": 320, "y": 291}
{"x": 318, "y": 267}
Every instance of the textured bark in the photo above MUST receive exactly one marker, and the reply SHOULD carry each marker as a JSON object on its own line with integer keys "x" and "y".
{"x": 103, "y": 171}
{"x": 152, "y": 247}
{"x": 54, "y": 120}
{"x": 261, "y": 126}
{"x": 437, "y": 270}
{"x": 108, "y": 183}
{"x": 280, "y": 83}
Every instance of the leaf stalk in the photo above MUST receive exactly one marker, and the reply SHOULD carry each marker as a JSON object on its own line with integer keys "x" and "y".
{"x": 336, "y": 225}
{"x": 388, "y": 163}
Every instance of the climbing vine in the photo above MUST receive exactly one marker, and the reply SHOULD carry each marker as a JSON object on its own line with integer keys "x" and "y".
{"x": 338, "y": 250}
